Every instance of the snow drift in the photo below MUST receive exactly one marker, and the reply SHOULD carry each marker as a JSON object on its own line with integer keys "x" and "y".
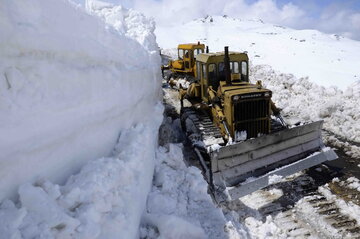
{"x": 302, "y": 101}
{"x": 69, "y": 84}
{"x": 76, "y": 89}
{"x": 105, "y": 199}
{"x": 179, "y": 205}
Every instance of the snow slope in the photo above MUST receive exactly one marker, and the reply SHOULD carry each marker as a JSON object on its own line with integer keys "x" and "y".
{"x": 79, "y": 95}
{"x": 326, "y": 59}
{"x": 105, "y": 199}
{"x": 179, "y": 205}
{"x": 302, "y": 100}
{"x": 126, "y": 21}
{"x": 69, "y": 84}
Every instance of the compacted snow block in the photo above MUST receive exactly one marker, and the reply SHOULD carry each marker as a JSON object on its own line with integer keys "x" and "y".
{"x": 106, "y": 199}
{"x": 69, "y": 83}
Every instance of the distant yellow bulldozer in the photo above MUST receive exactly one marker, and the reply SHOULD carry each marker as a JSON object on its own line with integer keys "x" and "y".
{"x": 184, "y": 66}
{"x": 236, "y": 130}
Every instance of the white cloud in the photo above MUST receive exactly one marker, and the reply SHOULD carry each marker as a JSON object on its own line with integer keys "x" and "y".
{"x": 336, "y": 18}
{"x": 341, "y": 21}
{"x": 175, "y": 11}
{"x": 266, "y": 10}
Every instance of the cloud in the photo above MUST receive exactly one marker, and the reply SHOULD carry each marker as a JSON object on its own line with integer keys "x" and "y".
{"x": 335, "y": 17}
{"x": 175, "y": 11}
{"x": 340, "y": 20}
{"x": 266, "y": 10}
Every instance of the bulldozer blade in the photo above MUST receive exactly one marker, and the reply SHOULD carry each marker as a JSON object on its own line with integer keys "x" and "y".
{"x": 245, "y": 167}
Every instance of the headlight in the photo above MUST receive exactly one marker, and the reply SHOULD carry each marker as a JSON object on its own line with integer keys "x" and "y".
{"x": 267, "y": 94}
{"x": 236, "y": 97}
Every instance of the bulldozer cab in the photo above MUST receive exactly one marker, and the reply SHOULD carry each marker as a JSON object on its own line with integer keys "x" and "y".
{"x": 187, "y": 54}
{"x": 210, "y": 70}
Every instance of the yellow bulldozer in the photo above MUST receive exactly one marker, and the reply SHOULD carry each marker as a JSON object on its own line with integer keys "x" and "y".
{"x": 237, "y": 132}
{"x": 184, "y": 66}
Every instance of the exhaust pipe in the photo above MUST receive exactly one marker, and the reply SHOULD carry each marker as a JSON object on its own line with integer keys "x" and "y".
{"x": 227, "y": 66}
{"x": 207, "y": 49}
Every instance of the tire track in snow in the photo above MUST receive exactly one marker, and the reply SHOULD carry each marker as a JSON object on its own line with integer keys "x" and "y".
{"x": 302, "y": 207}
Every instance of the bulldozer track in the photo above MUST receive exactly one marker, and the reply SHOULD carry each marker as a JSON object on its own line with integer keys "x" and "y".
{"x": 203, "y": 124}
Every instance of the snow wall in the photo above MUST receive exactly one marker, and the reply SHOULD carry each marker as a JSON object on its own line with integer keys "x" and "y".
{"x": 70, "y": 83}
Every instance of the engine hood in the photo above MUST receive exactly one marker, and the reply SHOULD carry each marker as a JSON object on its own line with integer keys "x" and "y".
{"x": 244, "y": 90}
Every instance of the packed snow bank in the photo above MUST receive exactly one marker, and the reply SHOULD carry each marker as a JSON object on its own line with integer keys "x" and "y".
{"x": 179, "y": 206}
{"x": 326, "y": 59}
{"x": 127, "y": 21}
{"x": 105, "y": 199}
{"x": 69, "y": 83}
{"x": 302, "y": 100}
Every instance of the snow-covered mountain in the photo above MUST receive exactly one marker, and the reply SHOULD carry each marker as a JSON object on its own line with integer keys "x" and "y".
{"x": 326, "y": 59}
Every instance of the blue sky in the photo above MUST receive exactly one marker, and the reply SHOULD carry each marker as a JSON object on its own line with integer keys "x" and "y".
{"x": 330, "y": 16}
{"x": 315, "y": 7}
{"x": 316, "y": 3}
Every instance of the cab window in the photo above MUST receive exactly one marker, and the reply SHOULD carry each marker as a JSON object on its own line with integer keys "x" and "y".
{"x": 204, "y": 86}
{"x": 234, "y": 66}
{"x": 198, "y": 70}
{"x": 181, "y": 54}
{"x": 187, "y": 58}
{"x": 197, "y": 52}
{"x": 244, "y": 67}
{"x": 244, "y": 70}
{"x": 221, "y": 71}
{"x": 212, "y": 76}
{"x": 234, "y": 69}
{"x": 204, "y": 71}
{"x": 186, "y": 54}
